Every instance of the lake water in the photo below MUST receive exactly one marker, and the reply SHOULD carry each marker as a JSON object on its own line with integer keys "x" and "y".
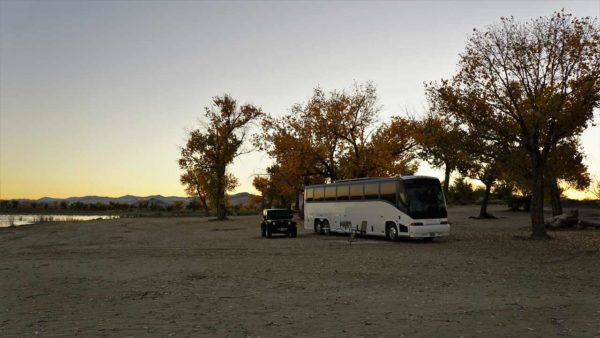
{"x": 17, "y": 220}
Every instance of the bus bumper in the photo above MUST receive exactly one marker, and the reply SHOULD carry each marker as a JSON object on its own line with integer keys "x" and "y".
{"x": 424, "y": 231}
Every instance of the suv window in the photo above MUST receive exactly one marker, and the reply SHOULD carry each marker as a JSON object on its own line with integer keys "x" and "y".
{"x": 279, "y": 214}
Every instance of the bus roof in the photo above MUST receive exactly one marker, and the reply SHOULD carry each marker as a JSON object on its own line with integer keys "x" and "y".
{"x": 376, "y": 179}
{"x": 412, "y": 177}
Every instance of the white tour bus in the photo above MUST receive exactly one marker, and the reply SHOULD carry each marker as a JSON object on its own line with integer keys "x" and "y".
{"x": 410, "y": 206}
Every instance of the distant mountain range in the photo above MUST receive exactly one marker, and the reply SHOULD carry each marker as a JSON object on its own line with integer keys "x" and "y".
{"x": 235, "y": 199}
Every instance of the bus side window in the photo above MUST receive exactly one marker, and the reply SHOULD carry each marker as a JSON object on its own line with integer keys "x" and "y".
{"x": 388, "y": 192}
{"x": 343, "y": 191}
{"x": 356, "y": 192}
{"x": 309, "y": 194}
{"x": 330, "y": 193}
{"x": 371, "y": 191}
{"x": 318, "y": 194}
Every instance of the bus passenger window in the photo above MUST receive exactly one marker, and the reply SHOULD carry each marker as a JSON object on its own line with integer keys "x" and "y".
{"x": 388, "y": 192}
{"x": 318, "y": 195}
{"x": 356, "y": 192}
{"x": 343, "y": 191}
{"x": 330, "y": 193}
{"x": 371, "y": 191}
{"x": 309, "y": 194}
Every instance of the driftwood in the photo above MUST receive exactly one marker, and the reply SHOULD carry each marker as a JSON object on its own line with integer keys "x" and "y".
{"x": 566, "y": 220}
{"x": 586, "y": 224}
{"x": 570, "y": 220}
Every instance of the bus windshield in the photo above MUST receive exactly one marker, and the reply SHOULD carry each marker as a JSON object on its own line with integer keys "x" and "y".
{"x": 425, "y": 199}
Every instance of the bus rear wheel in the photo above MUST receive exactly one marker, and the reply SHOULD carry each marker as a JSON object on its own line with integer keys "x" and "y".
{"x": 326, "y": 230}
{"x": 320, "y": 227}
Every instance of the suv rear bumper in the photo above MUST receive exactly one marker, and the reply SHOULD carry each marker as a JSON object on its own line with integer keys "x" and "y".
{"x": 281, "y": 228}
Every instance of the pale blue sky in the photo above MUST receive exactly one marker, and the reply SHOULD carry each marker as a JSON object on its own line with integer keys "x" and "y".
{"x": 95, "y": 96}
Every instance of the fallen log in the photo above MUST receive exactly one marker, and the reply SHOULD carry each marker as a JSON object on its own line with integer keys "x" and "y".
{"x": 588, "y": 224}
{"x": 567, "y": 220}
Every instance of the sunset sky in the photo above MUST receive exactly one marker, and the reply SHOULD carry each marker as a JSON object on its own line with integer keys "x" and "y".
{"x": 96, "y": 96}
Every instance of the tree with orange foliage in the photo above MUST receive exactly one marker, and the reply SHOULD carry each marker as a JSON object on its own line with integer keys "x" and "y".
{"x": 335, "y": 136}
{"x": 565, "y": 167}
{"x": 565, "y": 164}
{"x": 391, "y": 150}
{"x": 439, "y": 142}
{"x": 196, "y": 184}
{"x": 529, "y": 86}
{"x": 210, "y": 150}
{"x": 262, "y": 184}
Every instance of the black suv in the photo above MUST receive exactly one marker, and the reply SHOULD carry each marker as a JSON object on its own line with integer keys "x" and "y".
{"x": 278, "y": 221}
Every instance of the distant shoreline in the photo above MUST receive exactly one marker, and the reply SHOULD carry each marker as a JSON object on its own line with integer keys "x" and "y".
{"x": 123, "y": 214}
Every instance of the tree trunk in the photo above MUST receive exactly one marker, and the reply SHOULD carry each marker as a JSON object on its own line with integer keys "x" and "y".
{"x": 220, "y": 190}
{"x": 202, "y": 199}
{"x": 555, "y": 197}
{"x": 222, "y": 212}
{"x": 446, "y": 181}
{"x": 486, "y": 197}
{"x": 205, "y": 206}
{"x": 538, "y": 228}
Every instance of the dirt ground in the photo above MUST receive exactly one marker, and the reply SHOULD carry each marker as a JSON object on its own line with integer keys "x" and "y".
{"x": 193, "y": 277}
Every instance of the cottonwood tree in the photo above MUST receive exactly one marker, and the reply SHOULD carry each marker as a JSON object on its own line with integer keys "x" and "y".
{"x": 391, "y": 150}
{"x": 196, "y": 183}
{"x": 527, "y": 85}
{"x": 278, "y": 187}
{"x": 594, "y": 188}
{"x": 262, "y": 184}
{"x": 439, "y": 142}
{"x": 443, "y": 144}
{"x": 335, "y": 135}
{"x": 565, "y": 165}
{"x": 210, "y": 150}
{"x": 483, "y": 165}
{"x": 338, "y": 125}
{"x": 289, "y": 144}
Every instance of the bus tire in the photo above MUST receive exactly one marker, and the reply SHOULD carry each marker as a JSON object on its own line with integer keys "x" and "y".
{"x": 326, "y": 230}
{"x": 391, "y": 232}
{"x": 320, "y": 227}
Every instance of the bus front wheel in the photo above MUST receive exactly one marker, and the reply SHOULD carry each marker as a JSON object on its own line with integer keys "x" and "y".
{"x": 392, "y": 233}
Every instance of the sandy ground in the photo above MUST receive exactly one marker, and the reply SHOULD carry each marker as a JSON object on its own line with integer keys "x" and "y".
{"x": 192, "y": 277}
